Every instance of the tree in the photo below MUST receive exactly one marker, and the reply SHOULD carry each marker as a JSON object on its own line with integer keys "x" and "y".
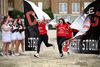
{"x": 15, "y": 13}
{"x": 49, "y": 12}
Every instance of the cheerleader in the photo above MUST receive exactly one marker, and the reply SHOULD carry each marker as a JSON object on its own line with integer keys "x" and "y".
{"x": 6, "y": 35}
{"x": 43, "y": 37}
{"x": 61, "y": 34}
{"x": 19, "y": 35}
{"x": 22, "y": 32}
{"x": 16, "y": 36}
{"x": 69, "y": 34}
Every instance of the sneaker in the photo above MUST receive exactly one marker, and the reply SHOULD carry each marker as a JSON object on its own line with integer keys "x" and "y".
{"x": 61, "y": 55}
{"x": 17, "y": 54}
{"x": 23, "y": 53}
{"x": 36, "y": 55}
{"x": 2, "y": 54}
{"x": 68, "y": 53}
{"x": 12, "y": 54}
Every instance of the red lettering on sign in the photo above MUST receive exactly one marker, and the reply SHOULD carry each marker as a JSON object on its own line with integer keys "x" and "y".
{"x": 29, "y": 18}
{"x": 96, "y": 21}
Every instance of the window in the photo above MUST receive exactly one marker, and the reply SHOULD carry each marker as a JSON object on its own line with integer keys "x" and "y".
{"x": 63, "y": 7}
{"x": 86, "y": 4}
{"x": 75, "y": 7}
{"x": 10, "y": 4}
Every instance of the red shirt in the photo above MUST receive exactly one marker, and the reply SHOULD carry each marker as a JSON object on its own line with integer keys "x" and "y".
{"x": 42, "y": 28}
{"x": 74, "y": 30}
{"x": 69, "y": 33}
{"x": 61, "y": 29}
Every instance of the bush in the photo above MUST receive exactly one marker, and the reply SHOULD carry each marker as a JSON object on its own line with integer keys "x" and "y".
{"x": 15, "y": 13}
{"x": 49, "y": 12}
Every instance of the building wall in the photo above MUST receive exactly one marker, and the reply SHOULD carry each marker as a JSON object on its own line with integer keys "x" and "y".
{"x": 3, "y": 7}
{"x": 0, "y": 6}
{"x": 55, "y": 6}
{"x": 10, "y": 5}
{"x": 18, "y": 4}
{"x": 45, "y": 3}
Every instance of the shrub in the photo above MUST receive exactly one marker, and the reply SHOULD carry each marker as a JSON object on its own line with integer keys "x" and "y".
{"x": 49, "y": 12}
{"x": 15, "y": 13}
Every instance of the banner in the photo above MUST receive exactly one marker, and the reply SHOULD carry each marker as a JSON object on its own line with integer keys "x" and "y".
{"x": 32, "y": 15}
{"x": 88, "y": 24}
{"x": 82, "y": 24}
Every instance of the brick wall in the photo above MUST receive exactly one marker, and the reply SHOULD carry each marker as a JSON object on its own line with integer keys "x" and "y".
{"x": 46, "y": 3}
{"x": 55, "y": 5}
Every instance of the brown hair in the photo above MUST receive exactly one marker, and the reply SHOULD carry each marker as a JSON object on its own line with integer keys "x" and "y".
{"x": 4, "y": 19}
{"x": 62, "y": 20}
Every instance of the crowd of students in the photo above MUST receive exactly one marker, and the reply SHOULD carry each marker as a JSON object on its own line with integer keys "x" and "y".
{"x": 64, "y": 32}
{"x": 12, "y": 35}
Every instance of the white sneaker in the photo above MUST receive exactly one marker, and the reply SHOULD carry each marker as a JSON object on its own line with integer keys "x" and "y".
{"x": 13, "y": 55}
{"x": 1, "y": 54}
{"x": 61, "y": 55}
{"x": 22, "y": 53}
{"x": 36, "y": 55}
{"x": 17, "y": 54}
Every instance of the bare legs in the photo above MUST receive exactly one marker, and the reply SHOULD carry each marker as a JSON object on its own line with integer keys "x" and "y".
{"x": 6, "y": 48}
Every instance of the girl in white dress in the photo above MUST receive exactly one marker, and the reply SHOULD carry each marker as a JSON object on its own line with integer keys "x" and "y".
{"x": 21, "y": 35}
{"x": 17, "y": 37}
{"x": 14, "y": 36}
{"x": 6, "y": 35}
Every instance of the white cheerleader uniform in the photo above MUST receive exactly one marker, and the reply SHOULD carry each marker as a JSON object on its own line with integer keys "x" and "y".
{"x": 16, "y": 34}
{"x": 22, "y": 28}
{"x": 6, "y": 33}
{"x": 23, "y": 35}
{"x": 23, "y": 32}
